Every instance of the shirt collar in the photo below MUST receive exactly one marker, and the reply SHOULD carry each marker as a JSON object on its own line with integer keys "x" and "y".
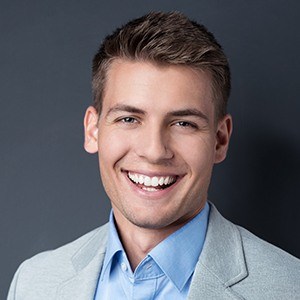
{"x": 113, "y": 246}
{"x": 176, "y": 255}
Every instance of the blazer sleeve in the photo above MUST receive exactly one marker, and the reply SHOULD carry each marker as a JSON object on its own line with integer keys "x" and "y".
{"x": 13, "y": 290}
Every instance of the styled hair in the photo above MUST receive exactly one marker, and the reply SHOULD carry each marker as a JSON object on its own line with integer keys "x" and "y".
{"x": 165, "y": 39}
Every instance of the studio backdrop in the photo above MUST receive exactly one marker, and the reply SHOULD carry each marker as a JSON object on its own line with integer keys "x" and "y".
{"x": 50, "y": 189}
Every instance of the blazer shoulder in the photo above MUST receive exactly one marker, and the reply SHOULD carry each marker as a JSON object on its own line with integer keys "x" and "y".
{"x": 245, "y": 264}
{"x": 47, "y": 269}
{"x": 260, "y": 251}
{"x": 64, "y": 253}
{"x": 269, "y": 267}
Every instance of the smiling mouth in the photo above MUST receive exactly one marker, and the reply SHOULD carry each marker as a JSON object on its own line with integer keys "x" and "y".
{"x": 151, "y": 184}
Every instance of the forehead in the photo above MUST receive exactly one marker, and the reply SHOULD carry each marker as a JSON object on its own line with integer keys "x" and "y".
{"x": 150, "y": 85}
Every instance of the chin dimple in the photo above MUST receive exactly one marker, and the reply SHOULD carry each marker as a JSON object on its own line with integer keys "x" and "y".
{"x": 151, "y": 182}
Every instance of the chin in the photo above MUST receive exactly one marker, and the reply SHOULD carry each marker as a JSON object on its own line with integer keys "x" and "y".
{"x": 151, "y": 222}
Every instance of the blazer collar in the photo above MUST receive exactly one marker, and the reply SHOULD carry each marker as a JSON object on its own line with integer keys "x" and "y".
{"x": 87, "y": 263}
{"x": 222, "y": 263}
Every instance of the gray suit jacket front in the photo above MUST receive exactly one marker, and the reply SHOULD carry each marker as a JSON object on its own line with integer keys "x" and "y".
{"x": 234, "y": 264}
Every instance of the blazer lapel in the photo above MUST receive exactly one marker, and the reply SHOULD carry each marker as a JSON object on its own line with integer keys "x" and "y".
{"x": 87, "y": 263}
{"x": 221, "y": 264}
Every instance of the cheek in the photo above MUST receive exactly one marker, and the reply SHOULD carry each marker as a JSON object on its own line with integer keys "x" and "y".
{"x": 112, "y": 147}
{"x": 198, "y": 152}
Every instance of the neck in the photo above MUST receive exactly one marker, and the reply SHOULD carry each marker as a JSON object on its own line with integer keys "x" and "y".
{"x": 138, "y": 241}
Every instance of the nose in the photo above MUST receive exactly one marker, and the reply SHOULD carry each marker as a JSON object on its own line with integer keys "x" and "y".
{"x": 154, "y": 145}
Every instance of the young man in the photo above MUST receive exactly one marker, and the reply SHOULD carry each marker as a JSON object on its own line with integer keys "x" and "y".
{"x": 159, "y": 124}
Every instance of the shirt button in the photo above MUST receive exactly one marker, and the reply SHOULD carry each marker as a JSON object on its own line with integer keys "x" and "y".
{"x": 131, "y": 279}
{"x": 123, "y": 266}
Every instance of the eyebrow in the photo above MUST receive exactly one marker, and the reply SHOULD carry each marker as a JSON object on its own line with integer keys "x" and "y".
{"x": 125, "y": 108}
{"x": 188, "y": 112}
{"x": 176, "y": 113}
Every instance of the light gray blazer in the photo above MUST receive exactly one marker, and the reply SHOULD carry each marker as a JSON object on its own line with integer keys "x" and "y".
{"x": 234, "y": 264}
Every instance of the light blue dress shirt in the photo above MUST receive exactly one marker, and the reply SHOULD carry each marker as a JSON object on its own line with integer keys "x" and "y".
{"x": 165, "y": 273}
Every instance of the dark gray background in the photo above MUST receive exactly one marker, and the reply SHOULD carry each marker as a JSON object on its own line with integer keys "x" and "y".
{"x": 50, "y": 191}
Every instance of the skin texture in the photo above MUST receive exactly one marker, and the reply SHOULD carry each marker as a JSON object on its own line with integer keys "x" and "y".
{"x": 157, "y": 121}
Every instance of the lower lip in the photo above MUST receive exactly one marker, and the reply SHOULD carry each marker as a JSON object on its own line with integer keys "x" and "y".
{"x": 157, "y": 194}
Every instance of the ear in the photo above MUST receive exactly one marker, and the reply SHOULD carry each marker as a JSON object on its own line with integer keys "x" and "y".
{"x": 91, "y": 130}
{"x": 223, "y": 134}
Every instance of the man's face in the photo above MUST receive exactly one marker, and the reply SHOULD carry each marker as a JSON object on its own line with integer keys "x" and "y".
{"x": 157, "y": 140}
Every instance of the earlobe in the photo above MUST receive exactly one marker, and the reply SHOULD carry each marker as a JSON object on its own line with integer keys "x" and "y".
{"x": 223, "y": 135}
{"x": 91, "y": 130}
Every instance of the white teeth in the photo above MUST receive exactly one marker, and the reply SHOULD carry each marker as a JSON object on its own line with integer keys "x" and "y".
{"x": 149, "y": 189}
{"x": 136, "y": 178}
{"x": 166, "y": 180}
{"x": 151, "y": 181}
{"x": 171, "y": 180}
{"x": 154, "y": 181}
{"x": 141, "y": 180}
{"x": 147, "y": 181}
{"x": 161, "y": 181}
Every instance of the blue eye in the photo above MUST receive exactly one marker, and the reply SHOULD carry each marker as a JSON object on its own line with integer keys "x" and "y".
{"x": 128, "y": 120}
{"x": 186, "y": 124}
{"x": 183, "y": 124}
